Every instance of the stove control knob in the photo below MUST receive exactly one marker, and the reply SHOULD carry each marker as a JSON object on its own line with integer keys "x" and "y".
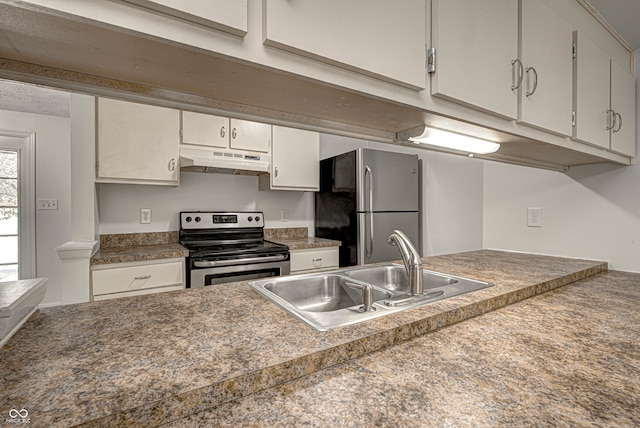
{"x": 249, "y": 218}
{"x": 198, "y": 219}
{"x": 257, "y": 218}
{"x": 188, "y": 219}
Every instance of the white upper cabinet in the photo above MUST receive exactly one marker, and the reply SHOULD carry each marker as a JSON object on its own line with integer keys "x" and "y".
{"x": 217, "y": 131}
{"x": 591, "y": 93}
{"x": 253, "y": 136}
{"x": 623, "y": 106}
{"x": 225, "y": 15}
{"x": 380, "y": 38}
{"x": 545, "y": 96}
{"x": 476, "y": 42}
{"x": 604, "y": 100}
{"x": 137, "y": 143}
{"x": 485, "y": 60}
{"x": 205, "y": 130}
{"x": 295, "y": 160}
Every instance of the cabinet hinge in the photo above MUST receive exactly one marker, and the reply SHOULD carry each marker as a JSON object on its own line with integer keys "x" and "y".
{"x": 431, "y": 60}
{"x": 574, "y": 50}
{"x": 573, "y": 118}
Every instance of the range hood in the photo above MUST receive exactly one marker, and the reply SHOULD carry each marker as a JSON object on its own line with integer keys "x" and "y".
{"x": 223, "y": 161}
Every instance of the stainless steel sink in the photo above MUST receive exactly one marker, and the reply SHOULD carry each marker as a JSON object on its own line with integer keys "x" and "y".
{"x": 321, "y": 292}
{"x": 325, "y": 301}
{"x": 394, "y": 277}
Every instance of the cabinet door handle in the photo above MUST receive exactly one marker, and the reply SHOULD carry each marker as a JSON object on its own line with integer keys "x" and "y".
{"x": 619, "y": 122}
{"x": 172, "y": 165}
{"x": 611, "y": 120}
{"x": 317, "y": 262}
{"x": 142, "y": 277}
{"x": 535, "y": 81}
{"x": 223, "y": 132}
{"x": 234, "y": 133}
{"x": 520, "y": 74}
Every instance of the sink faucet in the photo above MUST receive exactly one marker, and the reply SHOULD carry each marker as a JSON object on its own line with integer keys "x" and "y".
{"x": 411, "y": 259}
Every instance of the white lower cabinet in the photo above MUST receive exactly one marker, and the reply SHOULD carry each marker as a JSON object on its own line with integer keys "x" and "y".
{"x": 315, "y": 259}
{"x": 136, "y": 278}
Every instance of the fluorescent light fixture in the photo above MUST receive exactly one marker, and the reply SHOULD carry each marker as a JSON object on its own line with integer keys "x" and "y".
{"x": 449, "y": 140}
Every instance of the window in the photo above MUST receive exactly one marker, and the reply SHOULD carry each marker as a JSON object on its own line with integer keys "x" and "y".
{"x": 9, "y": 211}
{"x": 17, "y": 214}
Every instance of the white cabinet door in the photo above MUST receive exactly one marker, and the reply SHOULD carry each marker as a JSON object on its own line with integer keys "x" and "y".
{"x": 295, "y": 160}
{"x": 253, "y": 136}
{"x": 380, "y": 38}
{"x": 226, "y": 15}
{"x": 545, "y": 96}
{"x": 205, "y": 129}
{"x": 623, "y": 104}
{"x": 137, "y": 143}
{"x": 591, "y": 93}
{"x": 476, "y": 42}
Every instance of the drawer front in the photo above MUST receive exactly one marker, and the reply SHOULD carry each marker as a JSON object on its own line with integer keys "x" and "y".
{"x": 136, "y": 277}
{"x": 314, "y": 259}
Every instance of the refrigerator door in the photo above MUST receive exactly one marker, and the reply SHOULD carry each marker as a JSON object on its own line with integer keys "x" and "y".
{"x": 387, "y": 181}
{"x": 375, "y": 228}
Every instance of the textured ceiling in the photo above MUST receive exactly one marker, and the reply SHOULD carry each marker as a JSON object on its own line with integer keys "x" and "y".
{"x": 33, "y": 99}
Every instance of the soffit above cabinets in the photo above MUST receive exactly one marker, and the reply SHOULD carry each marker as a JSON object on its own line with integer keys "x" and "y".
{"x": 78, "y": 54}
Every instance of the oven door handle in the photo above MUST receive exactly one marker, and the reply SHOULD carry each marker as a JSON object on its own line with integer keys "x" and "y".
{"x": 215, "y": 263}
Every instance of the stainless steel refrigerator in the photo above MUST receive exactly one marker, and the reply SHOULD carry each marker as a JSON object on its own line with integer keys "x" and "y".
{"x": 364, "y": 196}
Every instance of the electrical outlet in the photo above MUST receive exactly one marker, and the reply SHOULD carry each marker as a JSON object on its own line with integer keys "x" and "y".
{"x": 534, "y": 217}
{"x": 145, "y": 215}
{"x": 284, "y": 215}
{"x": 47, "y": 204}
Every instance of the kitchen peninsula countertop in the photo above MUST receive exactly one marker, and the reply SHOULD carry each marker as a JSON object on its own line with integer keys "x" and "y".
{"x": 148, "y": 360}
{"x": 569, "y": 357}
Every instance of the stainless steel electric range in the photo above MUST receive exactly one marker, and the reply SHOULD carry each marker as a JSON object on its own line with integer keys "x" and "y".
{"x": 229, "y": 246}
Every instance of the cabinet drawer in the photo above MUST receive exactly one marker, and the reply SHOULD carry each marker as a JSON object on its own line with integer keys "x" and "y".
{"x": 132, "y": 278}
{"x": 324, "y": 258}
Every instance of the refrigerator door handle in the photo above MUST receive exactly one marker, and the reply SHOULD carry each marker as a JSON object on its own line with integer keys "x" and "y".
{"x": 368, "y": 175}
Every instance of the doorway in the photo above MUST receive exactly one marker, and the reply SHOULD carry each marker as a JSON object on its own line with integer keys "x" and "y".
{"x": 17, "y": 210}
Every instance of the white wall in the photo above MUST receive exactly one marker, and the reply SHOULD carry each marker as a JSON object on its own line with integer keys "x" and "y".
{"x": 53, "y": 228}
{"x": 451, "y": 194}
{"x": 590, "y": 212}
{"x": 452, "y": 199}
{"x": 119, "y": 204}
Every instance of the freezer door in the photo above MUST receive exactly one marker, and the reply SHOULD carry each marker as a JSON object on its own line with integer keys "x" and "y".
{"x": 375, "y": 228}
{"x": 387, "y": 181}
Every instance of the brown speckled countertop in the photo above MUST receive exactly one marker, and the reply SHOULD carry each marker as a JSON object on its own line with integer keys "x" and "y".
{"x": 570, "y": 357}
{"x": 137, "y": 247}
{"x": 153, "y": 359}
{"x": 297, "y": 238}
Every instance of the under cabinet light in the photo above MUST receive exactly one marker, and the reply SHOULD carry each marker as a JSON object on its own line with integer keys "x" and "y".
{"x": 449, "y": 140}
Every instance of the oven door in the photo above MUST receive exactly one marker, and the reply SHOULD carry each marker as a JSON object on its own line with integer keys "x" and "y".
{"x": 204, "y": 276}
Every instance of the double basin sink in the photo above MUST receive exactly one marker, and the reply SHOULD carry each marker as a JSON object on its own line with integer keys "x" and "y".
{"x": 328, "y": 300}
